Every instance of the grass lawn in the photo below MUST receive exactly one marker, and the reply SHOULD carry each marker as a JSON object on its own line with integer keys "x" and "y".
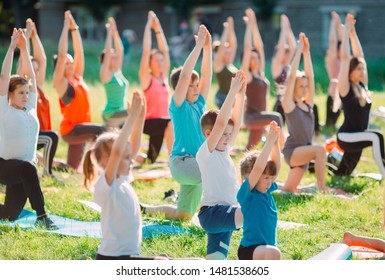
{"x": 325, "y": 217}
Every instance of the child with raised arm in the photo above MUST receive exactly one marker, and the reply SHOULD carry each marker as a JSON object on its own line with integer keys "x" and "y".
{"x": 19, "y": 128}
{"x": 186, "y": 108}
{"x": 220, "y": 214}
{"x": 259, "y": 239}
{"x": 47, "y": 138}
{"x": 120, "y": 217}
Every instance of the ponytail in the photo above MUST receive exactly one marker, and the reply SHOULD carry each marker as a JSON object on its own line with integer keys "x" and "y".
{"x": 88, "y": 169}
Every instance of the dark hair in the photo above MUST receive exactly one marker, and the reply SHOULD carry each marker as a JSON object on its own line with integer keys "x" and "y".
{"x": 248, "y": 161}
{"x": 101, "y": 56}
{"x": 354, "y": 62}
{"x": 209, "y": 118}
{"x": 175, "y": 74}
{"x": 15, "y": 81}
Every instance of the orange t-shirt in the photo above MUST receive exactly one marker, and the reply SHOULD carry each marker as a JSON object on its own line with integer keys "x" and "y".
{"x": 43, "y": 110}
{"x": 78, "y": 111}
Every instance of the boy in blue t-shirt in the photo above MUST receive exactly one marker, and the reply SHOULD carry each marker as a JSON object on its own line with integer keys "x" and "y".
{"x": 259, "y": 241}
{"x": 186, "y": 108}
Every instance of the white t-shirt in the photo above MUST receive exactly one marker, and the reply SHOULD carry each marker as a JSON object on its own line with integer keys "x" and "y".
{"x": 121, "y": 218}
{"x": 219, "y": 177}
{"x": 19, "y": 129}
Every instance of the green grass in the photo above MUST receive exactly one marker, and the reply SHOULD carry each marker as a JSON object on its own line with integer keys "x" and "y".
{"x": 325, "y": 216}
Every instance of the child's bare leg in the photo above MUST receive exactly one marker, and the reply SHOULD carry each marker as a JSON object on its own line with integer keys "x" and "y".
{"x": 355, "y": 240}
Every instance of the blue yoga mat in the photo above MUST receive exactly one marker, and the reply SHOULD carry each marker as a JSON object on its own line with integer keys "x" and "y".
{"x": 77, "y": 228}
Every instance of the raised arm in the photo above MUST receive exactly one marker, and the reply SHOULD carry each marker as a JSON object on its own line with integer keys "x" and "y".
{"x": 291, "y": 40}
{"x": 206, "y": 67}
{"x": 39, "y": 55}
{"x": 120, "y": 144}
{"x": 308, "y": 67}
{"x": 7, "y": 63}
{"x": 78, "y": 46}
{"x": 276, "y": 64}
{"x": 357, "y": 51}
{"x": 333, "y": 39}
{"x": 247, "y": 46}
{"x": 144, "y": 70}
{"x": 118, "y": 44}
{"x": 185, "y": 75}
{"x": 60, "y": 82}
{"x": 136, "y": 135}
{"x": 228, "y": 45}
{"x": 105, "y": 72}
{"x": 238, "y": 110}
{"x": 343, "y": 75}
{"x": 26, "y": 69}
{"x": 162, "y": 44}
{"x": 222, "y": 120}
{"x": 257, "y": 40}
{"x": 271, "y": 147}
{"x": 221, "y": 52}
{"x": 288, "y": 104}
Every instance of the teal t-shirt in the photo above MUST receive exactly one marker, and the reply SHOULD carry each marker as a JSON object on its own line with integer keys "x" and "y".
{"x": 188, "y": 136}
{"x": 115, "y": 91}
{"x": 260, "y": 216}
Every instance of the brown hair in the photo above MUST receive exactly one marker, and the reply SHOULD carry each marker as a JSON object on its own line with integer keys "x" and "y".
{"x": 175, "y": 74}
{"x": 17, "y": 80}
{"x": 101, "y": 149}
{"x": 354, "y": 62}
{"x": 248, "y": 161}
{"x": 209, "y": 118}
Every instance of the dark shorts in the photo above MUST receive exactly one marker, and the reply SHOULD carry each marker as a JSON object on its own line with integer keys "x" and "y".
{"x": 246, "y": 253}
{"x": 219, "y": 223}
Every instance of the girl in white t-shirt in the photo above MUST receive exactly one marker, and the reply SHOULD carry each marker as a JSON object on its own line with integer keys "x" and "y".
{"x": 19, "y": 129}
{"x": 121, "y": 215}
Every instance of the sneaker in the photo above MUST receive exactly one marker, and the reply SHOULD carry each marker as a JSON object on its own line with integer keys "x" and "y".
{"x": 170, "y": 195}
{"x": 46, "y": 223}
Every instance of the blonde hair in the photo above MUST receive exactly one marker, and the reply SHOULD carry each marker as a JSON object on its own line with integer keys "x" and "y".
{"x": 101, "y": 149}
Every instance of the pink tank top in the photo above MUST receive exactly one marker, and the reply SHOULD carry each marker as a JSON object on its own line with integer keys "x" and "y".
{"x": 157, "y": 98}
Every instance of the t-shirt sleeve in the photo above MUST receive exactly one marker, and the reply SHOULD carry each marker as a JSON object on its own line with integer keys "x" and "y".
{"x": 203, "y": 153}
{"x": 3, "y": 104}
{"x": 244, "y": 192}
{"x": 174, "y": 108}
{"x": 102, "y": 190}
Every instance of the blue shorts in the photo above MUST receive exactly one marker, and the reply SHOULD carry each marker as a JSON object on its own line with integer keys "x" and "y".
{"x": 218, "y": 222}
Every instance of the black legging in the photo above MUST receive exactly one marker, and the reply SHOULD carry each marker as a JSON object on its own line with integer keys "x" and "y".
{"x": 80, "y": 134}
{"x": 22, "y": 182}
{"x": 48, "y": 140}
{"x": 155, "y": 128}
{"x": 353, "y": 146}
{"x": 331, "y": 117}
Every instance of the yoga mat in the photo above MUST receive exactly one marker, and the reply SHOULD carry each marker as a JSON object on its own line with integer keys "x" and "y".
{"x": 337, "y": 251}
{"x": 360, "y": 252}
{"x": 71, "y": 227}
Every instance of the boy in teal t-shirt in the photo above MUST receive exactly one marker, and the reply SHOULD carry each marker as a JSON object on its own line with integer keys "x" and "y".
{"x": 260, "y": 217}
{"x": 186, "y": 108}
